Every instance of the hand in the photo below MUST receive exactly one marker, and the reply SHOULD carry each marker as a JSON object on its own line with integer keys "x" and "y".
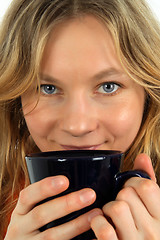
{"x": 26, "y": 219}
{"x": 135, "y": 214}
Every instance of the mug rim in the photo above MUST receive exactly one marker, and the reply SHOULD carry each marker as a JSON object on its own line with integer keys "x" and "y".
{"x": 74, "y": 153}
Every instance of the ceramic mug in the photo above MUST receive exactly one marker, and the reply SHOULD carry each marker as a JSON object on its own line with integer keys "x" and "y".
{"x": 96, "y": 169}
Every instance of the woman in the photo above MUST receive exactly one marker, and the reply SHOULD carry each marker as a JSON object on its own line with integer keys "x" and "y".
{"x": 79, "y": 75}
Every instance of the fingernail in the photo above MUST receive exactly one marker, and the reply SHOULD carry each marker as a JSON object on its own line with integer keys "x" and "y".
{"x": 94, "y": 214}
{"x": 87, "y": 195}
{"x": 58, "y": 181}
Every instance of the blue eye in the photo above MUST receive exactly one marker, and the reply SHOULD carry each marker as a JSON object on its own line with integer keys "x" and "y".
{"x": 108, "y": 88}
{"x": 48, "y": 89}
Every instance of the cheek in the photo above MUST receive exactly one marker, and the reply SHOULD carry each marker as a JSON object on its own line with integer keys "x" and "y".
{"x": 40, "y": 126}
{"x": 38, "y": 120}
{"x": 37, "y": 124}
{"x": 127, "y": 123}
{"x": 124, "y": 124}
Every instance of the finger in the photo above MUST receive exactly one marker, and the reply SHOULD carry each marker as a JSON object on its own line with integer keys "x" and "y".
{"x": 138, "y": 210}
{"x": 39, "y": 191}
{"x": 149, "y": 193}
{"x": 147, "y": 226}
{"x": 70, "y": 229}
{"x": 103, "y": 229}
{"x": 121, "y": 216}
{"x": 59, "y": 207}
{"x": 143, "y": 162}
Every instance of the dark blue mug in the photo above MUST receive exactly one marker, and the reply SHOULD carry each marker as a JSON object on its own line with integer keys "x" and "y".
{"x": 96, "y": 169}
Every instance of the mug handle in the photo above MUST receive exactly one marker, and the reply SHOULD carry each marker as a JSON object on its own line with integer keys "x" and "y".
{"x": 122, "y": 177}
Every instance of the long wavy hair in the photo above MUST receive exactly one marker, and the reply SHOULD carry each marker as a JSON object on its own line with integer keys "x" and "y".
{"x": 23, "y": 36}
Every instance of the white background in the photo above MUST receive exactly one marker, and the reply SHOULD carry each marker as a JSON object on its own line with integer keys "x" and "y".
{"x": 3, "y": 6}
{"x": 154, "y": 4}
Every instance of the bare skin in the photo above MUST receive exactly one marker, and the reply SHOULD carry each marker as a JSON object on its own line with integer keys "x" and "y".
{"x": 87, "y": 102}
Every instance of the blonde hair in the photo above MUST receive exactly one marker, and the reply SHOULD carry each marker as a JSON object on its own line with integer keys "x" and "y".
{"x": 23, "y": 36}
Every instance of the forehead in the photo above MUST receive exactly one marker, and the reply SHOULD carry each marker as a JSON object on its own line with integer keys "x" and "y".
{"x": 79, "y": 33}
{"x": 80, "y": 41}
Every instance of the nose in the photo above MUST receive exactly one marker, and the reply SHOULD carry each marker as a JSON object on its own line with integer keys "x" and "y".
{"x": 79, "y": 118}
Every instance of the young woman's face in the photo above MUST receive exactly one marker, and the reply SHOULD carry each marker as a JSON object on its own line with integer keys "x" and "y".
{"x": 87, "y": 101}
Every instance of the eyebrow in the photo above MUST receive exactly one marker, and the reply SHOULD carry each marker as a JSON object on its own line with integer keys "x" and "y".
{"x": 48, "y": 78}
{"x": 106, "y": 73}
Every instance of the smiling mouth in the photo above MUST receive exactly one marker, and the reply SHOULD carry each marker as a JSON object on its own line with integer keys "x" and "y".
{"x": 93, "y": 147}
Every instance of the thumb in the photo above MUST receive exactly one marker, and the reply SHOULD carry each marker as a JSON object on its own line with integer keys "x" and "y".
{"x": 143, "y": 162}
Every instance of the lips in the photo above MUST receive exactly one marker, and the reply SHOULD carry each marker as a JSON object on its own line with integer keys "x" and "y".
{"x": 67, "y": 147}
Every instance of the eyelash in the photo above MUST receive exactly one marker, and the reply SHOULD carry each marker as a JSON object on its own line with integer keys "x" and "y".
{"x": 54, "y": 90}
{"x": 42, "y": 89}
{"x": 114, "y": 91}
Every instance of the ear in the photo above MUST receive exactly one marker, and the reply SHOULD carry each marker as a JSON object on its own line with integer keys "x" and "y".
{"x": 143, "y": 162}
